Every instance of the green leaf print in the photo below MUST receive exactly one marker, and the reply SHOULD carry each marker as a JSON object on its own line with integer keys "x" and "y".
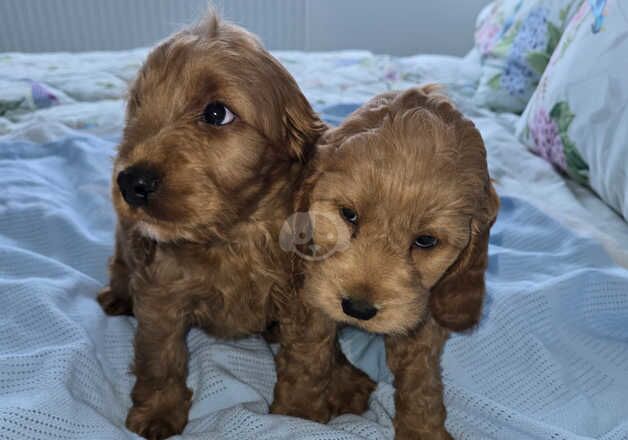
{"x": 538, "y": 61}
{"x": 105, "y": 84}
{"x": 564, "y": 13}
{"x": 568, "y": 37}
{"x": 566, "y": 43}
{"x": 576, "y": 166}
{"x": 7, "y": 106}
{"x": 502, "y": 48}
{"x": 563, "y": 116}
{"x": 554, "y": 37}
{"x": 495, "y": 82}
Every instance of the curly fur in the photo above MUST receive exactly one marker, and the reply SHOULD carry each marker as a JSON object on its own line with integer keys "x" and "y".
{"x": 408, "y": 164}
{"x": 203, "y": 252}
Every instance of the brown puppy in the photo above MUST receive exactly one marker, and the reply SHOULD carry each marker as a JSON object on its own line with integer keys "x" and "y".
{"x": 216, "y": 136}
{"x": 399, "y": 206}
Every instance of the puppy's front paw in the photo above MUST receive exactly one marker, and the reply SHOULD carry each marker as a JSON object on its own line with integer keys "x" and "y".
{"x": 350, "y": 390}
{"x": 115, "y": 303}
{"x": 163, "y": 414}
{"x": 152, "y": 429}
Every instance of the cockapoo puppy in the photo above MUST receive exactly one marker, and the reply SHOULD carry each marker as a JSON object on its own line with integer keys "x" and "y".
{"x": 217, "y": 134}
{"x": 399, "y": 206}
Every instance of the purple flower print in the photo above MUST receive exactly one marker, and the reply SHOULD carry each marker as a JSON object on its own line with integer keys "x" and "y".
{"x": 532, "y": 35}
{"x": 518, "y": 78}
{"x": 42, "y": 96}
{"x": 391, "y": 75}
{"x": 546, "y": 139}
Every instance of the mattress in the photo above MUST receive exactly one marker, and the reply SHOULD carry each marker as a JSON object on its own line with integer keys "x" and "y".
{"x": 549, "y": 359}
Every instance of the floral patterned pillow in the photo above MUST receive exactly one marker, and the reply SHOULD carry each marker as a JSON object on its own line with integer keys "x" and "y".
{"x": 516, "y": 39}
{"x": 577, "y": 118}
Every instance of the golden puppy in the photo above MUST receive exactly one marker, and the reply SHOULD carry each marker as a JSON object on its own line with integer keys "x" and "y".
{"x": 399, "y": 205}
{"x": 216, "y": 137}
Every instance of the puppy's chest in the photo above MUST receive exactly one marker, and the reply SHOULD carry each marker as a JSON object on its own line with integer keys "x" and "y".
{"x": 228, "y": 292}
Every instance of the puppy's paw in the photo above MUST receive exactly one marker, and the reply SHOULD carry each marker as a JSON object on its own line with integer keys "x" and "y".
{"x": 162, "y": 415}
{"x": 151, "y": 429}
{"x": 350, "y": 390}
{"x": 115, "y": 303}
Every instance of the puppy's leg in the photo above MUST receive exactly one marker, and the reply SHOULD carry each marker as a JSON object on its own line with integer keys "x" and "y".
{"x": 161, "y": 399}
{"x": 115, "y": 298}
{"x": 350, "y": 389}
{"x": 414, "y": 360}
{"x": 304, "y": 365}
{"x": 314, "y": 378}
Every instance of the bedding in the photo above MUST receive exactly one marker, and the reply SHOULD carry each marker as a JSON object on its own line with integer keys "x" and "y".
{"x": 516, "y": 39}
{"x": 549, "y": 359}
{"x": 578, "y": 117}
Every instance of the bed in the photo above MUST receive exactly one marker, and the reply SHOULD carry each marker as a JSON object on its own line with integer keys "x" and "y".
{"x": 548, "y": 361}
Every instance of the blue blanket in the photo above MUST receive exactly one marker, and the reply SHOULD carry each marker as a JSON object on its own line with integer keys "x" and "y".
{"x": 548, "y": 361}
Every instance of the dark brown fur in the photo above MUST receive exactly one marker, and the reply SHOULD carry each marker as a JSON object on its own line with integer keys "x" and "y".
{"x": 204, "y": 251}
{"x": 408, "y": 164}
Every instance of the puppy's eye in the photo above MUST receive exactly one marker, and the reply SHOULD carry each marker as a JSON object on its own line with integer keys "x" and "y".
{"x": 349, "y": 215}
{"x": 425, "y": 242}
{"x": 216, "y": 113}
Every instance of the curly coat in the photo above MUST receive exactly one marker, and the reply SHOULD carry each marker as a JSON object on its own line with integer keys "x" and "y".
{"x": 403, "y": 166}
{"x": 201, "y": 249}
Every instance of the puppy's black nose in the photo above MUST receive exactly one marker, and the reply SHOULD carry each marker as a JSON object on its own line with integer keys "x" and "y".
{"x": 136, "y": 183}
{"x": 358, "y": 308}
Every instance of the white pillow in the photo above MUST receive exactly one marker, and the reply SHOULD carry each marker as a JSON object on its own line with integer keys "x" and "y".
{"x": 578, "y": 117}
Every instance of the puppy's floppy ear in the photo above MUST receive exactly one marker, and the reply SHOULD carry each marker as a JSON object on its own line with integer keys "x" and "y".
{"x": 288, "y": 120}
{"x": 315, "y": 168}
{"x": 302, "y": 127}
{"x": 300, "y": 230}
{"x": 456, "y": 300}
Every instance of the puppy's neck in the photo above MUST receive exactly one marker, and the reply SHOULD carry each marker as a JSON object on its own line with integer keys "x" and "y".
{"x": 263, "y": 218}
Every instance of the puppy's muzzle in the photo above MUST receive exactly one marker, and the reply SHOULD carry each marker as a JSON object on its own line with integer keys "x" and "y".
{"x": 137, "y": 184}
{"x": 358, "y": 308}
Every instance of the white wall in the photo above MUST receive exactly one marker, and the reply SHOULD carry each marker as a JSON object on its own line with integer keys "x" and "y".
{"x": 395, "y": 26}
{"x": 399, "y": 27}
